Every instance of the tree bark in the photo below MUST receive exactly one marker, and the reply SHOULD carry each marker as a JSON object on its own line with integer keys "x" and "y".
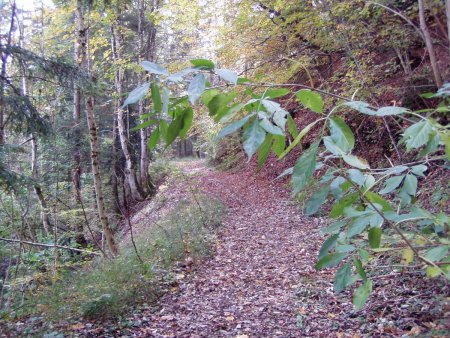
{"x": 130, "y": 170}
{"x": 429, "y": 45}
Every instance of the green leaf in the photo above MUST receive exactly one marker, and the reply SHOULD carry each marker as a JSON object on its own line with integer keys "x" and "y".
{"x": 227, "y": 75}
{"x": 165, "y": 97}
{"x": 304, "y": 168}
{"x": 264, "y": 150}
{"x": 279, "y": 145}
{"x": 359, "y": 267}
{"x": 356, "y": 176}
{"x": 254, "y": 136}
{"x": 419, "y": 170}
{"x": 316, "y": 200}
{"x": 270, "y": 128}
{"x": 208, "y": 95}
{"x": 343, "y": 278}
{"x": 391, "y": 184}
{"x": 188, "y": 116}
{"x": 437, "y": 254}
{"x": 377, "y": 199}
{"x": 361, "y": 294}
{"x": 433, "y": 271}
{"x": 330, "y": 260}
{"x": 179, "y": 76}
{"x": 355, "y": 161}
{"x": 341, "y": 134}
{"x": 203, "y": 64}
{"x": 153, "y": 139}
{"x": 311, "y": 100}
{"x": 173, "y": 130}
{"x": 279, "y": 114}
{"x": 375, "y": 237}
{"x": 196, "y": 87}
{"x": 231, "y": 128}
{"x": 144, "y": 125}
{"x": 410, "y": 184}
{"x": 417, "y": 135}
{"x": 218, "y": 104}
{"x": 154, "y": 68}
{"x": 362, "y": 107}
{"x": 163, "y": 127}
{"x": 156, "y": 97}
{"x": 329, "y": 243}
{"x": 338, "y": 208}
{"x": 274, "y": 93}
{"x": 230, "y": 112}
{"x": 137, "y": 94}
{"x": 335, "y": 226}
{"x": 390, "y": 110}
{"x": 292, "y": 127}
{"x": 298, "y": 139}
{"x": 358, "y": 226}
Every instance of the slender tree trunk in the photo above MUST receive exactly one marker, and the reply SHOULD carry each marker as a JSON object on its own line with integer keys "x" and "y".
{"x": 447, "y": 12}
{"x": 45, "y": 217}
{"x": 114, "y": 171}
{"x": 130, "y": 170}
{"x": 93, "y": 136}
{"x": 95, "y": 161}
{"x": 80, "y": 56}
{"x": 429, "y": 44}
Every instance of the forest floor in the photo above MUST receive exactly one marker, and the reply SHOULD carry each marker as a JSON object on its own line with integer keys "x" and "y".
{"x": 261, "y": 281}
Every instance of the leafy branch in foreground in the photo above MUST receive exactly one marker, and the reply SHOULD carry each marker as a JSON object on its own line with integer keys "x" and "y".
{"x": 366, "y": 223}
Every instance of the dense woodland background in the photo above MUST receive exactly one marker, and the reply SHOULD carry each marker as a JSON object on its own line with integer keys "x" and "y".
{"x": 76, "y": 163}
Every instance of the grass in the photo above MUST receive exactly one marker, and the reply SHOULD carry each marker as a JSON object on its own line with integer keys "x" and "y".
{"x": 108, "y": 288}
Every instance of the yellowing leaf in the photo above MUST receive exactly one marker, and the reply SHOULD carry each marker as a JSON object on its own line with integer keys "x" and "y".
{"x": 433, "y": 271}
{"x": 408, "y": 256}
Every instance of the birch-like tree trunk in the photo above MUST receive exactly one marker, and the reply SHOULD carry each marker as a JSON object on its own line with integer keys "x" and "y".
{"x": 93, "y": 136}
{"x": 130, "y": 170}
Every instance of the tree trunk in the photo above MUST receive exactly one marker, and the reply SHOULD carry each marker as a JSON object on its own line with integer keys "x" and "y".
{"x": 95, "y": 161}
{"x": 114, "y": 171}
{"x": 447, "y": 12}
{"x": 429, "y": 44}
{"x": 130, "y": 171}
{"x": 45, "y": 218}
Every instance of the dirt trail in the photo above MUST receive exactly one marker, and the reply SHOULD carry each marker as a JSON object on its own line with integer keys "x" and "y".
{"x": 261, "y": 281}
{"x": 248, "y": 287}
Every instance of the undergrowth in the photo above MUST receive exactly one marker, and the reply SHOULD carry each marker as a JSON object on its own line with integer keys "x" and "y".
{"x": 108, "y": 288}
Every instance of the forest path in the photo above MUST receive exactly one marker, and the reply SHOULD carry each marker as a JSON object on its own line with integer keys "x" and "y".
{"x": 247, "y": 288}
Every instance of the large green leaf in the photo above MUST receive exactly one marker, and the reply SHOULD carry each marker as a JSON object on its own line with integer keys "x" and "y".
{"x": 137, "y": 94}
{"x": 338, "y": 208}
{"x": 359, "y": 266}
{"x": 208, "y": 95}
{"x": 316, "y": 200}
{"x": 375, "y": 237}
{"x": 179, "y": 76}
{"x": 196, "y": 87}
{"x": 390, "y": 110}
{"x": 391, "y": 184}
{"x": 361, "y": 294}
{"x": 165, "y": 97}
{"x": 377, "y": 199}
{"x": 254, "y": 136}
{"x": 343, "y": 278}
{"x": 341, "y": 134}
{"x": 304, "y": 168}
{"x": 144, "y": 125}
{"x": 437, "y": 254}
{"x": 156, "y": 97}
{"x": 357, "y": 226}
{"x": 279, "y": 145}
{"x": 292, "y": 127}
{"x": 153, "y": 139}
{"x": 418, "y": 135}
{"x": 203, "y": 64}
{"x": 275, "y": 92}
{"x": 356, "y": 176}
{"x": 330, "y": 260}
{"x": 231, "y": 128}
{"x": 279, "y": 114}
{"x": 188, "y": 116}
{"x": 227, "y": 75}
{"x": 410, "y": 184}
{"x": 218, "y": 104}
{"x": 154, "y": 68}
{"x": 311, "y": 100}
{"x": 329, "y": 243}
{"x": 264, "y": 150}
{"x": 173, "y": 130}
{"x": 270, "y": 128}
{"x": 333, "y": 227}
{"x": 362, "y": 107}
